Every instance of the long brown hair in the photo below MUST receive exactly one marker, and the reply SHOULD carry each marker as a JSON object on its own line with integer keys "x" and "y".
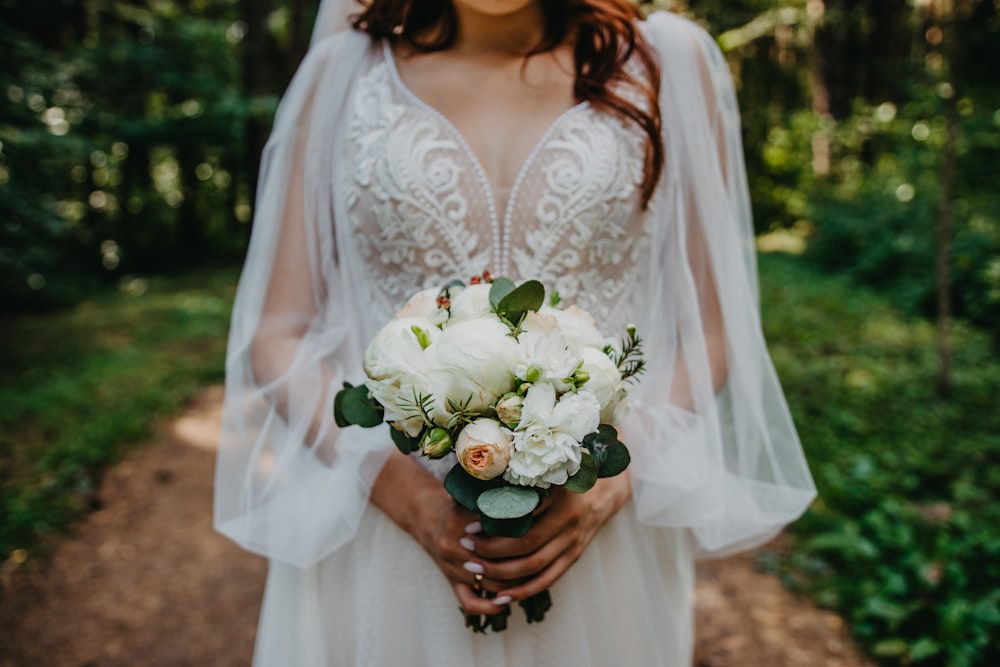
{"x": 606, "y": 38}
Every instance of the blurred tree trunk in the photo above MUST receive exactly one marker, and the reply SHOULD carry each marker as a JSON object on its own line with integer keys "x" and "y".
{"x": 300, "y": 33}
{"x": 944, "y": 18}
{"x": 819, "y": 92}
{"x": 257, "y": 80}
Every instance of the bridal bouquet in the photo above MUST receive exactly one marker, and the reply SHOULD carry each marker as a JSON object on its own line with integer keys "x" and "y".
{"x": 523, "y": 392}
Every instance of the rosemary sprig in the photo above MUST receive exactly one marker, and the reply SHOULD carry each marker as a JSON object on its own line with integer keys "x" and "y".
{"x": 629, "y": 361}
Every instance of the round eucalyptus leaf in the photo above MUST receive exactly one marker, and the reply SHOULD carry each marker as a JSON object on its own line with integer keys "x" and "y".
{"x": 585, "y": 477}
{"x": 500, "y": 288}
{"x": 616, "y": 459}
{"x": 508, "y": 502}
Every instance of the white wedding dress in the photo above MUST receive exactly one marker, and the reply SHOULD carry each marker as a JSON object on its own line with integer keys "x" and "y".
{"x": 367, "y": 195}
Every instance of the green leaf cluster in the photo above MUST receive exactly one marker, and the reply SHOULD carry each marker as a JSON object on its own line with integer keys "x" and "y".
{"x": 904, "y": 540}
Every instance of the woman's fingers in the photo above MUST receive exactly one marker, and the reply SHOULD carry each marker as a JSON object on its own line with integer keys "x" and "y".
{"x": 544, "y": 580}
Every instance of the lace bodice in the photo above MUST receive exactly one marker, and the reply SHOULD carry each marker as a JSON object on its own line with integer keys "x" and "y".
{"x": 423, "y": 212}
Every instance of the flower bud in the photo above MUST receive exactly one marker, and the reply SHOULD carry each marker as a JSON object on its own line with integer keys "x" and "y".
{"x": 533, "y": 373}
{"x": 422, "y": 337}
{"x": 435, "y": 443}
{"x": 580, "y": 378}
{"x": 509, "y": 409}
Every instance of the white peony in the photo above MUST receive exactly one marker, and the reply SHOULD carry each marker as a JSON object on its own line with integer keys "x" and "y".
{"x": 397, "y": 366}
{"x": 475, "y": 361}
{"x": 547, "y": 357}
{"x": 470, "y": 303}
{"x": 546, "y": 443}
{"x": 422, "y": 304}
{"x": 396, "y": 351}
{"x": 605, "y": 383}
{"x": 577, "y": 326}
{"x": 483, "y": 448}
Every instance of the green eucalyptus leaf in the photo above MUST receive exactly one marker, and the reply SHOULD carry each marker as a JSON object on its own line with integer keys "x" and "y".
{"x": 598, "y": 442}
{"x": 358, "y": 407}
{"x": 465, "y": 488}
{"x": 403, "y": 442}
{"x": 529, "y": 295}
{"x": 585, "y": 477}
{"x": 506, "y": 527}
{"x": 500, "y": 288}
{"x": 616, "y": 459}
{"x": 508, "y": 502}
{"x": 338, "y": 406}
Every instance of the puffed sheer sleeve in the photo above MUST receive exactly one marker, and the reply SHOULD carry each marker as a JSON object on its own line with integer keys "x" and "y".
{"x": 714, "y": 447}
{"x": 287, "y": 485}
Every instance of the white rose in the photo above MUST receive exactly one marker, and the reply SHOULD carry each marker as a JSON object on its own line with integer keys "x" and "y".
{"x": 547, "y": 357}
{"x": 546, "y": 443}
{"x": 470, "y": 303}
{"x": 422, "y": 304}
{"x": 475, "y": 361}
{"x": 577, "y": 326}
{"x": 483, "y": 448}
{"x": 605, "y": 383}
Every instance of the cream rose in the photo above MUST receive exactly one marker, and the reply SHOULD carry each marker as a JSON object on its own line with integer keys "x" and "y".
{"x": 483, "y": 448}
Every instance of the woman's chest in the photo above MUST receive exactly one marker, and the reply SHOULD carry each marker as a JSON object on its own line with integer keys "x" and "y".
{"x": 423, "y": 209}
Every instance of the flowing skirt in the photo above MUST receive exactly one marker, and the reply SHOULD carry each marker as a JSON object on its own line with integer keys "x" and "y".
{"x": 381, "y": 602}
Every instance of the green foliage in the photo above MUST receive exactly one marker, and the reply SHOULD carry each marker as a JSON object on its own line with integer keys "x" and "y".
{"x": 877, "y": 222}
{"x": 121, "y": 145}
{"x": 905, "y": 536}
{"x": 81, "y": 386}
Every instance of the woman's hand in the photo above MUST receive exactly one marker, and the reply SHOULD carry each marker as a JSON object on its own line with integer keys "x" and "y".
{"x": 519, "y": 568}
{"x": 419, "y": 504}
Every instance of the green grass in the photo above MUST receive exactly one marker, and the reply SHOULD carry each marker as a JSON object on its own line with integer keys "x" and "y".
{"x": 904, "y": 539}
{"x": 81, "y": 386}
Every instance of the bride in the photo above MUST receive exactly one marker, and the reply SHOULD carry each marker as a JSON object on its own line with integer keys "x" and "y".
{"x": 564, "y": 140}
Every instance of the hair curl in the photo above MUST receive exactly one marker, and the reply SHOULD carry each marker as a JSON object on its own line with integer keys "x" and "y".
{"x": 606, "y": 37}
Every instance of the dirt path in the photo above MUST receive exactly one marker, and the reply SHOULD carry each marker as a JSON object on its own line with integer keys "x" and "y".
{"x": 145, "y": 581}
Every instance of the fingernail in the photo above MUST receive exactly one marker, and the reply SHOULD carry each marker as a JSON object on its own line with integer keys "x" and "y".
{"x": 501, "y": 600}
{"x": 467, "y": 543}
{"x": 475, "y": 568}
{"x": 474, "y": 528}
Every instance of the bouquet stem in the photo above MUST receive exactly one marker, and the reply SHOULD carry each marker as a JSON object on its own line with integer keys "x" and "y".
{"x": 535, "y": 606}
{"x": 534, "y": 612}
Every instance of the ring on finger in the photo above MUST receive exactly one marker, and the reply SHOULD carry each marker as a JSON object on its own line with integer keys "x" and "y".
{"x": 477, "y": 583}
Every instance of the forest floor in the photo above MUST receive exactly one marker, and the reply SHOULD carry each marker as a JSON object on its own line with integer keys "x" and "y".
{"x": 143, "y": 580}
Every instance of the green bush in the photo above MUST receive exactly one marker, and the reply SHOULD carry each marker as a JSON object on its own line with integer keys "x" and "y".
{"x": 904, "y": 540}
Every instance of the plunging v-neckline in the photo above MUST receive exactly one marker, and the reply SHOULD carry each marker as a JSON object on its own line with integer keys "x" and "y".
{"x": 501, "y": 228}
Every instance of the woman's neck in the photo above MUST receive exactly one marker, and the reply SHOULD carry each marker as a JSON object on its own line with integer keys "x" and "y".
{"x": 514, "y": 33}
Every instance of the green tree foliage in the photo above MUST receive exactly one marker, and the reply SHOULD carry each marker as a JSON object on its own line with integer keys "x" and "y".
{"x": 123, "y": 142}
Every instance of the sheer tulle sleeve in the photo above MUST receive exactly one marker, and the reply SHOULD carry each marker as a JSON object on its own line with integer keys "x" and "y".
{"x": 287, "y": 485}
{"x": 713, "y": 443}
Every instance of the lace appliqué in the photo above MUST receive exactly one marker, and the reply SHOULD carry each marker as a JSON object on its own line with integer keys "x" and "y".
{"x": 407, "y": 197}
{"x": 421, "y": 211}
